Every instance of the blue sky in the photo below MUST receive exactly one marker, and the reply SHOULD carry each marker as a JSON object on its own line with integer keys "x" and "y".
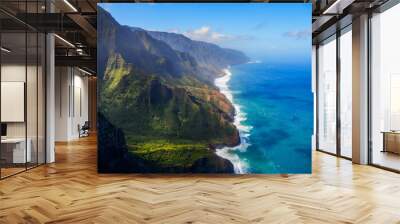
{"x": 276, "y": 31}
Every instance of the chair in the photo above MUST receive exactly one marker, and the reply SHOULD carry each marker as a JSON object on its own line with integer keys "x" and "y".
{"x": 84, "y": 130}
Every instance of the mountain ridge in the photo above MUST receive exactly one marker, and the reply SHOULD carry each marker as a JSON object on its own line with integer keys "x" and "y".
{"x": 163, "y": 102}
{"x": 209, "y": 56}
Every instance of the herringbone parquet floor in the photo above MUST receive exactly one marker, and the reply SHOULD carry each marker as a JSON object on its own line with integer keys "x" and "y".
{"x": 71, "y": 191}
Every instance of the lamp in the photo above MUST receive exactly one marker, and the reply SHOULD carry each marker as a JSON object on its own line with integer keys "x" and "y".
{"x": 70, "y": 5}
{"x": 5, "y": 50}
{"x": 64, "y": 40}
{"x": 84, "y": 71}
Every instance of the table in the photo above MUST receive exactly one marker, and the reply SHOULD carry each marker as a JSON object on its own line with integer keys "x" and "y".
{"x": 391, "y": 141}
{"x": 15, "y": 148}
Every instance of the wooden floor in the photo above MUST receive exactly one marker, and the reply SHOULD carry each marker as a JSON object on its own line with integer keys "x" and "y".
{"x": 5, "y": 172}
{"x": 71, "y": 191}
{"x": 387, "y": 159}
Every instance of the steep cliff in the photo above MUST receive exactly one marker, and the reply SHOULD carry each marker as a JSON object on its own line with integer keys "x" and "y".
{"x": 161, "y": 101}
{"x": 210, "y": 57}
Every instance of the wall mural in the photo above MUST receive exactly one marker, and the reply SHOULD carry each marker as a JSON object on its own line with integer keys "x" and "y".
{"x": 204, "y": 88}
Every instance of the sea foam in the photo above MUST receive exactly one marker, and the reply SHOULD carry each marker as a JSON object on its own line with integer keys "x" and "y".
{"x": 239, "y": 164}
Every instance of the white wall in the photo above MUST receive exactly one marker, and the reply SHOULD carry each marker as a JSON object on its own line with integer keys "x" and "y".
{"x": 10, "y": 73}
{"x": 13, "y": 101}
{"x": 314, "y": 91}
{"x": 16, "y": 73}
{"x": 33, "y": 127}
{"x": 71, "y": 102}
{"x": 80, "y": 110}
{"x": 62, "y": 82}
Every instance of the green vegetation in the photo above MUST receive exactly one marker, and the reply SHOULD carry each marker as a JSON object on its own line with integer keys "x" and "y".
{"x": 177, "y": 119}
{"x": 167, "y": 153}
{"x": 162, "y": 101}
{"x": 116, "y": 70}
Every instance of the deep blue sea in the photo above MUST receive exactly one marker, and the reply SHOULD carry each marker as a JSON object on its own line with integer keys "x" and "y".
{"x": 274, "y": 105}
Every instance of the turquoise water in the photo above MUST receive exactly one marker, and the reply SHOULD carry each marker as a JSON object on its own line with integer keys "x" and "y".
{"x": 275, "y": 117}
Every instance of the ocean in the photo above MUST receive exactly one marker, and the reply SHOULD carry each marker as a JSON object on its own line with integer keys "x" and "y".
{"x": 274, "y": 115}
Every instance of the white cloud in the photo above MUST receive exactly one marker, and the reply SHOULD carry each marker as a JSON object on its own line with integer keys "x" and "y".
{"x": 298, "y": 34}
{"x": 174, "y": 30}
{"x": 207, "y": 34}
{"x": 205, "y": 30}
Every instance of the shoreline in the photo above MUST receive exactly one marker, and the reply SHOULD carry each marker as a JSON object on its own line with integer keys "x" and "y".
{"x": 240, "y": 166}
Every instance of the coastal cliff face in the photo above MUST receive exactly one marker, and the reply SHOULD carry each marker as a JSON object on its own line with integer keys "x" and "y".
{"x": 158, "y": 109}
{"x": 210, "y": 57}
